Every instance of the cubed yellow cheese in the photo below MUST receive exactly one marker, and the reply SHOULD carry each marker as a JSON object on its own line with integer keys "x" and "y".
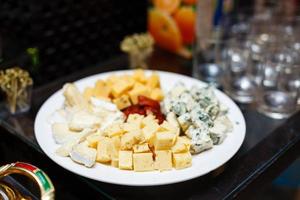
{"x": 101, "y": 90}
{"x": 115, "y": 162}
{"x": 164, "y": 140}
{"x": 138, "y": 89}
{"x": 115, "y": 129}
{"x": 181, "y": 145}
{"x": 104, "y": 150}
{"x": 128, "y": 79}
{"x": 182, "y": 160}
{"x": 166, "y": 126}
{"x": 153, "y": 81}
{"x": 115, "y": 147}
{"x": 135, "y": 118}
{"x": 149, "y": 119}
{"x": 141, "y": 148}
{"x": 88, "y": 93}
{"x": 120, "y": 87}
{"x": 131, "y": 126}
{"x": 149, "y": 132}
{"x": 93, "y": 140}
{"x": 139, "y": 76}
{"x": 143, "y": 162}
{"x": 125, "y": 160}
{"x": 122, "y": 102}
{"x": 111, "y": 80}
{"x": 129, "y": 139}
{"x": 163, "y": 160}
{"x": 157, "y": 94}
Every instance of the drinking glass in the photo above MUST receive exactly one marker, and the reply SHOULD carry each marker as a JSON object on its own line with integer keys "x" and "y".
{"x": 208, "y": 58}
{"x": 279, "y": 88}
{"x": 240, "y": 77}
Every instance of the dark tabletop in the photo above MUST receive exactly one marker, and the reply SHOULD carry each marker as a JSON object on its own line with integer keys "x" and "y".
{"x": 269, "y": 147}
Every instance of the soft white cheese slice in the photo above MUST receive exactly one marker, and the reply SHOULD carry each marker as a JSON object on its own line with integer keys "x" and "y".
{"x": 83, "y": 119}
{"x": 61, "y": 132}
{"x": 82, "y": 154}
{"x": 67, "y": 147}
{"x": 104, "y": 104}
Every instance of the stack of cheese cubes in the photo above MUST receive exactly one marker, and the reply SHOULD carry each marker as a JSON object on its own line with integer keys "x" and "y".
{"x": 141, "y": 144}
{"x": 123, "y": 90}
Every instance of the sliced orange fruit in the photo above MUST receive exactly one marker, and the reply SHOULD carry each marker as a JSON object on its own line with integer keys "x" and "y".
{"x": 185, "y": 18}
{"x": 168, "y": 6}
{"x": 164, "y": 30}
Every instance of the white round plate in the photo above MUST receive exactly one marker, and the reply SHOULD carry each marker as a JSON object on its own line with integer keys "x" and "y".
{"x": 201, "y": 163}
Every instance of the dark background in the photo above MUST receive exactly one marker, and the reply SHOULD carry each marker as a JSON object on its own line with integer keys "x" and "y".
{"x": 69, "y": 34}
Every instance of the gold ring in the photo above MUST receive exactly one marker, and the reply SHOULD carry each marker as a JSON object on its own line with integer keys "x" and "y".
{"x": 42, "y": 180}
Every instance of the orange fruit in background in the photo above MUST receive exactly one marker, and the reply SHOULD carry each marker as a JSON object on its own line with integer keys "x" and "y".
{"x": 190, "y": 2}
{"x": 168, "y": 6}
{"x": 185, "y": 18}
{"x": 164, "y": 30}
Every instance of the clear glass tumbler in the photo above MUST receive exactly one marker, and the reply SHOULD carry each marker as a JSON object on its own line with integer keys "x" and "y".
{"x": 279, "y": 89}
{"x": 240, "y": 77}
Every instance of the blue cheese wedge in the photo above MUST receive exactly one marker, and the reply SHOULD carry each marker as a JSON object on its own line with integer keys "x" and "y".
{"x": 178, "y": 107}
{"x": 218, "y": 133}
{"x": 200, "y": 140}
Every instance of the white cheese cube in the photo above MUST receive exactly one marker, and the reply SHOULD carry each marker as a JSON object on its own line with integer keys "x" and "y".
{"x": 125, "y": 160}
{"x": 163, "y": 160}
{"x": 143, "y": 162}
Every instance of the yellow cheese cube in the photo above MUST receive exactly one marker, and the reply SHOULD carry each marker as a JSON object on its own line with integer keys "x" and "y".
{"x": 101, "y": 89}
{"x": 128, "y": 79}
{"x": 93, "y": 140}
{"x": 181, "y": 145}
{"x": 88, "y": 93}
{"x": 104, "y": 150}
{"x": 139, "y": 76}
{"x": 157, "y": 94}
{"x": 166, "y": 126}
{"x": 153, "y": 81}
{"x": 163, "y": 160}
{"x": 125, "y": 160}
{"x": 129, "y": 139}
{"x": 122, "y": 102}
{"x": 149, "y": 119}
{"x": 138, "y": 89}
{"x": 149, "y": 132}
{"x": 102, "y": 93}
{"x": 143, "y": 162}
{"x": 120, "y": 87}
{"x": 115, "y": 162}
{"x": 182, "y": 160}
{"x": 111, "y": 80}
{"x": 135, "y": 118}
{"x": 115, "y": 129}
{"x": 164, "y": 140}
{"x": 131, "y": 126}
{"x": 115, "y": 148}
{"x": 141, "y": 148}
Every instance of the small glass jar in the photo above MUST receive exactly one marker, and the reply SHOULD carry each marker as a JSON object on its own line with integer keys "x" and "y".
{"x": 19, "y": 102}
